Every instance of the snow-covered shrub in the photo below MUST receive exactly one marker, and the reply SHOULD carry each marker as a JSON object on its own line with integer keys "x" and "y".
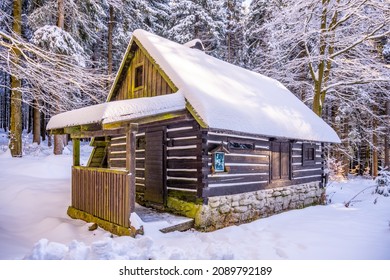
{"x": 335, "y": 169}
{"x": 383, "y": 182}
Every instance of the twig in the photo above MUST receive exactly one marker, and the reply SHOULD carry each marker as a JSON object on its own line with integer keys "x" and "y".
{"x": 349, "y": 202}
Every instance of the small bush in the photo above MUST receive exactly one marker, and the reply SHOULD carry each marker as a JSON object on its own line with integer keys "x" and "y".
{"x": 383, "y": 182}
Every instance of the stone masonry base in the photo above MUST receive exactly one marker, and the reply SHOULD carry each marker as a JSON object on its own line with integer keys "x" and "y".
{"x": 223, "y": 211}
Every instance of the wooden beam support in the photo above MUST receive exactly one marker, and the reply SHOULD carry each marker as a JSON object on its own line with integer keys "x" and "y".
{"x": 72, "y": 130}
{"x": 147, "y": 120}
{"x": 91, "y": 127}
{"x": 76, "y": 151}
{"x": 58, "y": 131}
{"x": 100, "y": 133}
{"x": 130, "y": 162}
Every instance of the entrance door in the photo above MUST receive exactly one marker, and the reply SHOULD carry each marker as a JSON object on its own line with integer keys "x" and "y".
{"x": 154, "y": 167}
{"x": 280, "y": 160}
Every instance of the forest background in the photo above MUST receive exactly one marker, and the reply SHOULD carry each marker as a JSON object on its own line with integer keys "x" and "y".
{"x": 57, "y": 55}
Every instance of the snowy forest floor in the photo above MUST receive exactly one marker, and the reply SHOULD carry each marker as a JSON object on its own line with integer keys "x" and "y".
{"x": 35, "y": 194}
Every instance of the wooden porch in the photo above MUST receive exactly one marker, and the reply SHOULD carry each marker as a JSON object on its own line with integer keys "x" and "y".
{"x": 105, "y": 196}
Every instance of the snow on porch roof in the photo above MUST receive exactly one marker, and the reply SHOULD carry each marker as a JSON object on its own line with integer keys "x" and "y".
{"x": 122, "y": 110}
{"x": 229, "y": 97}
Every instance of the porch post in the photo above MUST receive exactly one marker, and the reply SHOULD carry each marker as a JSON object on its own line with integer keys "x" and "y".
{"x": 130, "y": 162}
{"x": 76, "y": 151}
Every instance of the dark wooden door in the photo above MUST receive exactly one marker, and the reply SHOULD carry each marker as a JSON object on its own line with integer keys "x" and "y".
{"x": 280, "y": 160}
{"x": 154, "y": 167}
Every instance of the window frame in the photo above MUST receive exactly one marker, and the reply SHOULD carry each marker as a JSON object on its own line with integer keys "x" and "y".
{"x": 138, "y": 78}
{"x": 306, "y": 158}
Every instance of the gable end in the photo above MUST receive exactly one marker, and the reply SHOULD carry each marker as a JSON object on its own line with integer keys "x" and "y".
{"x": 127, "y": 83}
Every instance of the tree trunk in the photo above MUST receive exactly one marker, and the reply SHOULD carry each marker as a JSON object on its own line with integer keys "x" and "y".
{"x": 29, "y": 119}
{"x": 5, "y": 104}
{"x": 49, "y": 140}
{"x": 61, "y": 14}
{"x": 387, "y": 137}
{"x": 43, "y": 126}
{"x": 58, "y": 139}
{"x": 16, "y": 95}
{"x": 109, "y": 47}
{"x": 58, "y": 144}
{"x": 36, "y": 123}
{"x": 345, "y": 157}
{"x": 375, "y": 146}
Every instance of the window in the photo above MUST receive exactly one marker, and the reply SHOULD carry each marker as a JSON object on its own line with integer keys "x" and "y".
{"x": 280, "y": 160}
{"x": 308, "y": 153}
{"x": 140, "y": 143}
{"x": 139, "y": 76}
{"x": 240, "y": 146}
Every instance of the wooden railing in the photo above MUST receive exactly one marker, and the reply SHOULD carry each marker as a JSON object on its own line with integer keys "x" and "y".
{"x": 103, "y": 193}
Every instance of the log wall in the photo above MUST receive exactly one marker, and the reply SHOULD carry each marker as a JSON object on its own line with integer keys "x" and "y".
{"x": 182, "y": 158}
{"x": 246, "y": 169}
{"x": 304, "y": 173}
{"x": 186, "y": 158}
{"x": 103, "y": 193}
{"x": 117, "y": 152}
{"x": 249, "y": 169}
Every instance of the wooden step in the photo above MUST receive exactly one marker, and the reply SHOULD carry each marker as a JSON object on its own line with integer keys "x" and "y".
{"x": 179, "y": 227}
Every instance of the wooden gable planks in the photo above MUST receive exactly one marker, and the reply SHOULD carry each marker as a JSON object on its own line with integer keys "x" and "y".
{"x": 155, "y": 81}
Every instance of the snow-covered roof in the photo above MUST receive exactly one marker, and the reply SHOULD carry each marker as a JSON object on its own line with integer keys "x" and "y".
{"x": 122, "y": 110}
{"x": 224, "y": 96}
{"x": 230, "y": 97}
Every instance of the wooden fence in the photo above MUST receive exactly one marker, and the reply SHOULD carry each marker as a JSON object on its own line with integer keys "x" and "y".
{"x": 103, "y": 193}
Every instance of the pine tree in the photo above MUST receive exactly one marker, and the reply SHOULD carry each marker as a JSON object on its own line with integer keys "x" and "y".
{"x": 255, "y": 37}
{"x": 231, "y": 49}
{"x": 5, "y": 26}
{"x": 191, "y": 19}
{"x": 157, "y": 15}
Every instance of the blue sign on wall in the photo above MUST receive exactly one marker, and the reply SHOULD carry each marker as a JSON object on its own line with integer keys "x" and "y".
{"x": 219, "y": 162}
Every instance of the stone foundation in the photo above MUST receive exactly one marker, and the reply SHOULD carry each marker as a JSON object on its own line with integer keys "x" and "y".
{"x": 223, "y": 211}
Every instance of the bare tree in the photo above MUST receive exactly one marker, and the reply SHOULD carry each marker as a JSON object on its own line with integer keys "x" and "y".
{"x": 332, "y": 39}
{"x": 327, "y": 52}
{"x": 57, "y": 80}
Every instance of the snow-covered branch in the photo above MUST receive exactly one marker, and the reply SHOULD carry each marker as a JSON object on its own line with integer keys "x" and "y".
{"x": 368, "y": 36}
{"x": 57, "y": 79}
{"x": 355, "y": 82}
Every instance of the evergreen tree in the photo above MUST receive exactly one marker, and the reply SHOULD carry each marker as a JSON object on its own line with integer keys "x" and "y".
{"x": 6, "y": 27}
{"x": 157, "y": 15}
{"x": 201, "y": 19}
{"x": 231, "y": 49}
{"x": 255, "y": 38}
{"x": 83, "y": 20}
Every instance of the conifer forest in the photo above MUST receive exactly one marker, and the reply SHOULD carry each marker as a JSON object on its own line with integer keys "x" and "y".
{"x": 334, "y": 55}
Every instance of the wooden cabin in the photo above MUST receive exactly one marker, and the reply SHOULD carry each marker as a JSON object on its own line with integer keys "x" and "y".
{"x": 184, "y": 132}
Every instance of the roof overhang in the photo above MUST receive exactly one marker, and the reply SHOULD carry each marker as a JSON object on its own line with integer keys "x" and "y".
{"x": 112, "y": 117}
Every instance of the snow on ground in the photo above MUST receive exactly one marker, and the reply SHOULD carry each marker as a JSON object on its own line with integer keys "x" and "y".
{"x": 35, "y": 194}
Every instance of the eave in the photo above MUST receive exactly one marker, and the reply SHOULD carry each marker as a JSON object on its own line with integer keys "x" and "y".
{"x": 116, "y": 128}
